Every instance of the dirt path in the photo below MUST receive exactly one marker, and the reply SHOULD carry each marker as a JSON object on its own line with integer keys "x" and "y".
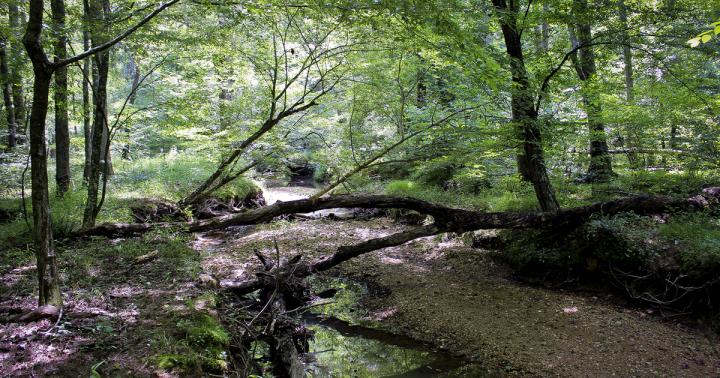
{"x": 455, "y": 297}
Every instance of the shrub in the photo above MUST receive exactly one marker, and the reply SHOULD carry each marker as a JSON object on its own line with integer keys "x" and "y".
{"x": 435, "y": 173}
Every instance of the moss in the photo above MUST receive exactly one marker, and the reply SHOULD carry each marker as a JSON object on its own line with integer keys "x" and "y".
{"x": 181, "y": 361}
{"x": 205, "y": 330}
{"x": 240, "y": 188}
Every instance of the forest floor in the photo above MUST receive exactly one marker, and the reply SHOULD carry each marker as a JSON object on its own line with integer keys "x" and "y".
{"x": 125, "y": 318}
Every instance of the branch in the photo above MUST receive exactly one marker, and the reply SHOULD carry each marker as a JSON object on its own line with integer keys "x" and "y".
{"x": 115, "y": 40}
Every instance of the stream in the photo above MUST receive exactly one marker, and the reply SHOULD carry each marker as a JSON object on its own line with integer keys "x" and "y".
{"x": 345, "y": 343}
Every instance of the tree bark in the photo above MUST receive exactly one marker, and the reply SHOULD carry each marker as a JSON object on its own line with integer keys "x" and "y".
{"x": 48, "y": 279}
{"x": 7, "y": 96}
{"x": 101, "y": 65}
{"x": 135, "y": 81}
{"x": 86, "y": 80}
{"x": 531, "y": 162}
{"x": 629, "y": 82}
{"x": 600, "y": 168}
{"x": 17, "y": 62}
{"x": 62, "y": 131}
{"x": 446, "y": 219}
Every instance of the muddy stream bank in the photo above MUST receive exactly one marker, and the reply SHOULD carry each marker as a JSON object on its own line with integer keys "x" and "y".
{"x": 440, "y": 308}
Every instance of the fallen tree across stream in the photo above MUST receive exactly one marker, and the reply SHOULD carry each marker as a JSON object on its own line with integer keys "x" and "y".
{"x": 445, "y": 219}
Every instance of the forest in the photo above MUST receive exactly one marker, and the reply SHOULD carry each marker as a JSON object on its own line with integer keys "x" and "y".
{"x": 359, "y": 188}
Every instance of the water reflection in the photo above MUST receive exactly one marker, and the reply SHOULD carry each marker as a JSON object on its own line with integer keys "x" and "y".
{"x": 342, "y": 356}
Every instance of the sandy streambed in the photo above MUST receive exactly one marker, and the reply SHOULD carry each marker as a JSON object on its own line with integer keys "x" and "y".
{"x": 459, "y": 299}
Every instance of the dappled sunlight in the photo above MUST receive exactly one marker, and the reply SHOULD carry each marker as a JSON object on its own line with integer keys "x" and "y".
{"x": 14, "y": 276}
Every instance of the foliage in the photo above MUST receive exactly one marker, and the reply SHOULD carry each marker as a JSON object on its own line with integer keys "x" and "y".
{"x": 705, "y": 36}
{"x": 697, "y": 238}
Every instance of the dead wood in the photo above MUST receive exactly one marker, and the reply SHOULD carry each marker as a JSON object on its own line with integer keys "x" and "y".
{"x": 42, "y": 312}
{"x": 445, "y": 218}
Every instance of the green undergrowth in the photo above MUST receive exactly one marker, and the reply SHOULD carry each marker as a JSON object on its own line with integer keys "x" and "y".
{"x": 509, "y": 193}
{"x": 157, "y": 257}
{"x": 172, "y": 177}
{"x": 640, "y": 255}
{"x": 198, "y": 342}
{"x": 168, "y": 177}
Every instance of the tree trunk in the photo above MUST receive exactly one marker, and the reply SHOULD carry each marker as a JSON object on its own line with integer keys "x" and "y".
{"x": 629, "y": 82}
{"x": 543, "y": 31}
{"x": 135, "y": 81}
{"x": 86, "y": 80}
{"x": 531, "y": 162}
{"x": 101, "y": 63}
{"x": 62, "y": 131}
{"x": 600, "y": 168}
{"x": 16, "y": 63}
{"x": 7, "y": 96}
{"x": 48, "y": 280}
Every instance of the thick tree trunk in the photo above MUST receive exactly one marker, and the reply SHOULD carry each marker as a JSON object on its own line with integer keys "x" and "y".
{"x": 7, "y": 96}
{"x": 600, "y": 168}
{"x": 17, "y": 60}
{"x": 48, "y": 279}
{"x": 101, "y": 65}
{"x": 531, "y": 162}
{"x": 62, "y": 131}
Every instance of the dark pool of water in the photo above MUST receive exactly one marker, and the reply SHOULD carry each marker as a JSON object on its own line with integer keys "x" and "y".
{"x": 344, "y": 348}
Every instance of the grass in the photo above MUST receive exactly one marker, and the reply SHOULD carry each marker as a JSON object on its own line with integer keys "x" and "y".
{"x": 169, "y": 177}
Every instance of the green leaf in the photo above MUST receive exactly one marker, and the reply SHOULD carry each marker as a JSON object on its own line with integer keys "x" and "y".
{"x": 706, "y": 38}
{"x": 717, "y": 30}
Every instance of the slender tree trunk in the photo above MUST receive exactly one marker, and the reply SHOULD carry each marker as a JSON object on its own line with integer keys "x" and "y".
{"x": 87, "y": 126}
{"x": 135, "y": 81}
{"x": 7, "y": 96}
{"x": 17, "y": 62}
{"x": 48, "y": 279}
{"x": 101, "y": 63}
{"x": 62, "y": 131}
{"x": 543, "y": 31}
{"x": 629, "y": 83}
{"x": 531, "y": 162}
{"x": 600, "y": 168}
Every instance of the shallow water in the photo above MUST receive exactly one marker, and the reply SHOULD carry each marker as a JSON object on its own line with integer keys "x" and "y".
{"x": 343, "y": 348}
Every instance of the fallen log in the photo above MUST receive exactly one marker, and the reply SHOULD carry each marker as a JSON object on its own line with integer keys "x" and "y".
{"x": 446, "y": 218}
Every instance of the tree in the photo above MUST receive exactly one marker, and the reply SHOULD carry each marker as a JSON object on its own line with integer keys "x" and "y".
{"x": 583, "y": 57}
{"x": 298, "y": 77}
{"x": 17, "y": 62}
{"x": 530, "y": 161}
{"x": 43, "y": 69}
{"x": 62, "y": 132}
{"x": 99, "y": 155}
{"x": 7, "y": 95}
